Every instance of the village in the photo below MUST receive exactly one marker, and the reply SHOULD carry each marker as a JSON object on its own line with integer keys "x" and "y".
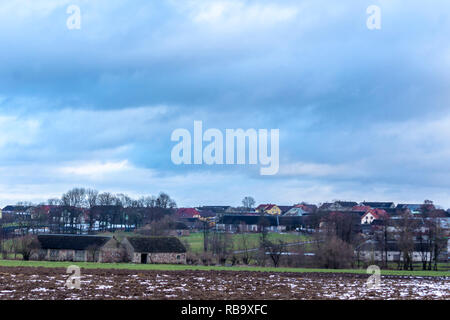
{"x": 85, "y": 225}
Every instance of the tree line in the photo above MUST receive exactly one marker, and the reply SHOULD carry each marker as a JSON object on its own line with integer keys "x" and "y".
{"x": 80, "y": 210}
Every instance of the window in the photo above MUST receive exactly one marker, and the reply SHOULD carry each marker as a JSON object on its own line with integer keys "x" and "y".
{"x": 178, "y": 257}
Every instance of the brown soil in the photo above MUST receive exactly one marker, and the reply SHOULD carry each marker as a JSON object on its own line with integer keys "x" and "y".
{"x": 49, "y": 283}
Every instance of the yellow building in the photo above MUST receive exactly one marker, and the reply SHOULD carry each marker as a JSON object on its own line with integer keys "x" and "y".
{"x": 271, "y": 209}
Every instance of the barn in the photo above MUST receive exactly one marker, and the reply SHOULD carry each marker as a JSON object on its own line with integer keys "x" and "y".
{"x": 68, "y": 247}
{"x": 155, "y": 250}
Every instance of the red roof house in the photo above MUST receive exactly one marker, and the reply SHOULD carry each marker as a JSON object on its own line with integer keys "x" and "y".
{"x": 187, "y": 213}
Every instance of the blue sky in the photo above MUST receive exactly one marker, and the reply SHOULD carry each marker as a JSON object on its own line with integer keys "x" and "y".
{"x": 363, "y": 114}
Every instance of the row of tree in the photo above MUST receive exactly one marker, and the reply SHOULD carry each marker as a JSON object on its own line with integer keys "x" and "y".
{"x": 80, "y": 210}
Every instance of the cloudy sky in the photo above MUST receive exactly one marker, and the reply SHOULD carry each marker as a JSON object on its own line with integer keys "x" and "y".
{"x": 363, "y": 114}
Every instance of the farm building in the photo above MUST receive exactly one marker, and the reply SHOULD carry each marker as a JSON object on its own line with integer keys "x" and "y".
{"x": 65, "y": 247}
{"x": 155, "y": 250}
{"x": 373, "y": 251}
{"x": 254, "y": 223}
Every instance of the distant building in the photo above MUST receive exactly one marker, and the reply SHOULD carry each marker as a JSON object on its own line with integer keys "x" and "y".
{"x": 187, "y": 213}
{"x": 413, "y": 208}
{"x": 271, "y": 209}
{"x": 285, "y": 209}
{"x": 338, "y": 206}
{"x": 307, "y": 208}
{"x": 21, "y": 211}
{"x": 379, "y": 205}
{"x": 372, "y": 215}
{"x": 255, "y": 223}
{"x": 296, "y": 211}
{"x": 216, "y": 209}
{"x": 374, "y": 251}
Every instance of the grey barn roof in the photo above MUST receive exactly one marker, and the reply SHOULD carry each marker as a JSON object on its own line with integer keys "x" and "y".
{"x": 71, "y": 242}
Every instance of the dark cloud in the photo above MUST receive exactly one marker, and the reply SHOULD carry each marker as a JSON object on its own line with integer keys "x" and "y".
{"x": 342, "y": 96}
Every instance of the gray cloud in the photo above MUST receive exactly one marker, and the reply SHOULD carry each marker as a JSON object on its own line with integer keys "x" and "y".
{"x": 360, "y": 112}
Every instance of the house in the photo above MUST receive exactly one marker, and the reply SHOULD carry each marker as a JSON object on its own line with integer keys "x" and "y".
{"x": 372, "y": 215}
{"x": 155, "y": 250}
{"x": 207, "y": 213}
{"x": 285, "y": 209}
{"x": 271, "y": 209}
{"x": 243, "y": 223}
{"x": 338, "y": 206}
{"x": 361, "y": 208}
{"x": 374, "y": 251}
{"x": 255, "y": 223}
{"x": 69, "y": 247}
{"x": 296, "y": 211}
{"x": 9, "y": 209}
{"x": 413, "y": 208}
{"x": 41, "y": 210}
{"x": 187, "y": 213}
{"x": 216, "y": 209}
{"x": 24, "y": 212}
{"x": 379, "y": 205}
{"x": 307, "y": 208}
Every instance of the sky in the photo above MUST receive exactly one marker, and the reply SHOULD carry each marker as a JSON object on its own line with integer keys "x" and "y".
{"x": 362, "y": 114}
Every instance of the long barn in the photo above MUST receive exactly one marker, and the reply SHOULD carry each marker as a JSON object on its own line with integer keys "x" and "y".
{"x": 65, "y": 247}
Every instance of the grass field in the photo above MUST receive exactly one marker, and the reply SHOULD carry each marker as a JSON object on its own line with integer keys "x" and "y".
{"x": 164, "y": 267}
{"x": 195, "y": 240}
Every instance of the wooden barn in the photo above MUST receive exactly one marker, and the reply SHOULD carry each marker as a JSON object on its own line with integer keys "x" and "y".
{"x": 155, "y": 250}
{"x": 65, "y": 247}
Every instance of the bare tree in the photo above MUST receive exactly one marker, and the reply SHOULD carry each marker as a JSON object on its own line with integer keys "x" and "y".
{"x": 275, "y": 250}
{"x": 3, "y": 251}
{"x": 159, "y": 227}
{"x": 263, "y": 224}
{"x": 383, "y": 236}
{"x": 148, "y": 202}
{"x": 205, "y": 226}
{"x": 248, "y": 202}
{"x": 26, "y": 245}
{"x": 437, "y": 240}
{"x": 405, "y": 242}
{"x": 93, "y": 252}
{"x": 106, "y": 199}
{"x": 164, "y": 201}
{"x": 333, "y": 253}
{"x": 245, "y": 243}
{"x": 53, "y": 202}
{"x": 91, "y": 197}
{"x": 221, "y": 245}
{"x": 74, "y": 198}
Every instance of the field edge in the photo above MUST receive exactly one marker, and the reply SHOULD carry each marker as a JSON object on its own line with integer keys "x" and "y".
{"x": 171, "y": 267}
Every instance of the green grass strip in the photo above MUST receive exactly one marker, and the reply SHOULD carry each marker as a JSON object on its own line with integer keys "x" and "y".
{"x": 169, "y": 267}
